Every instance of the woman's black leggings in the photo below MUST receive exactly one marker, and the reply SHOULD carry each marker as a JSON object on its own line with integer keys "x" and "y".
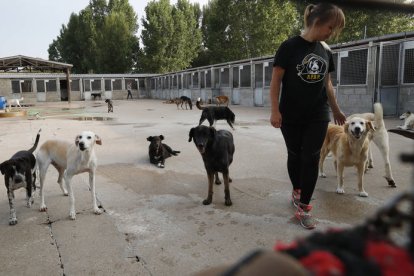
{"x": 304, "y": 142}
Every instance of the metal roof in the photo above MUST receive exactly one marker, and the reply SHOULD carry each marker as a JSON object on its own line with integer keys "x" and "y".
{"x": 20, "y": 63}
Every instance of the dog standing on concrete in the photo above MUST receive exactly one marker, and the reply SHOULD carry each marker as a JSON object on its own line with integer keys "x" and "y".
{"x": 110, "y": 105}
{"x": 20, "y": 171}
{"x": 184, "y": 100}
{"x": 380, "y": 139}
{"x": 216, "y": 148}
{"x": 408, "y": 118}
{"x": 15, "y": 102}
{"x": 214, "y": 113}
{"x": 349, "y": 144}
{"x": 222, "y": 99}
{"x": 69, "y": 160}
{"x": 159, "y": 151}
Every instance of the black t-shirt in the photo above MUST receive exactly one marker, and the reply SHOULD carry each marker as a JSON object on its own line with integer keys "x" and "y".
{"x": 306, "y": 64}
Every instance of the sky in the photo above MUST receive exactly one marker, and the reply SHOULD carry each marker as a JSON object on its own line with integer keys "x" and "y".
{"x": 29, "y": 26}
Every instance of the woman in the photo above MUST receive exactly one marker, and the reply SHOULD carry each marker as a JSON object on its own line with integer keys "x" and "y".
{"x": 301, "y": 69}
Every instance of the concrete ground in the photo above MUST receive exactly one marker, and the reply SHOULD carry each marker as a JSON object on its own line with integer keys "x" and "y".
{"x": 154, "y": 221}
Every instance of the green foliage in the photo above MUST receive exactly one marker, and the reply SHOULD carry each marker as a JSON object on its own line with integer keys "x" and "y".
{"x": 100, "y": 39}
{"x": 171, "y": 36}
{"x": 240, "y": 29}
{"x": 364, "y": 23}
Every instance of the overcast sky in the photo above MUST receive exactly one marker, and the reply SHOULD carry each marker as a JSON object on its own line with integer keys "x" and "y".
{"x": 29, "y": 26}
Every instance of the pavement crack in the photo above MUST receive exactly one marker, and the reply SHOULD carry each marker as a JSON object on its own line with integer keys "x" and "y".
{"x": 55, "y": 242}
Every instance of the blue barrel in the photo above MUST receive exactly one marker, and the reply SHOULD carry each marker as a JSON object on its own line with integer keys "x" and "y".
{"x": 2, "y": 102}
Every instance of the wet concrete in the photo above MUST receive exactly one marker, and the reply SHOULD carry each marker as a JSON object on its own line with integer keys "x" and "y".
{"x": 154, "y": 221}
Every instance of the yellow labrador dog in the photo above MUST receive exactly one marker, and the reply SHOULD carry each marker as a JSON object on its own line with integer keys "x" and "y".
{"x": 70, "y": 159}
{"x": 380, "y": 138}
{"x": 349, "y": 145}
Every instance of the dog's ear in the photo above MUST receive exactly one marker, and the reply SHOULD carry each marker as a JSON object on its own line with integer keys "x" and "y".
{"x": 346, "y": 127}
{"x": 98, "y": 140}
{"x": 161, "y": 137}
{"x": 77, "y": 140}
{"x": 190, "y": 134}
{"x": 149, "y": 138}
{"x": 370, "y": 126}
{"x": 212, "y": 133}
{"x": 3, "y": 167}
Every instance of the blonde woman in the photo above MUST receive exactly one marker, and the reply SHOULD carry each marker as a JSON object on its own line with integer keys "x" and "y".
{"x": 301, "y": 77}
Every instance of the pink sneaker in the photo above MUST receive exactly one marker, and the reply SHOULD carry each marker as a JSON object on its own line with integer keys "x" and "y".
{"x": 304, "y": 216}
{"x": 295, "y": 197}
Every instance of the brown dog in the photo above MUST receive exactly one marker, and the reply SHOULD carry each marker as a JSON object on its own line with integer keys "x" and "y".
{"x": 222, "y": 100}
{"x": 349, "y": 145}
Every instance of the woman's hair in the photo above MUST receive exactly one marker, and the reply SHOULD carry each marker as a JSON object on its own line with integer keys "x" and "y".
{"x": 325, "y": 12}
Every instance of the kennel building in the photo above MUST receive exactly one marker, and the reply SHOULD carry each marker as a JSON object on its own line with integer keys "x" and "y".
{"x": 367, "y": 71}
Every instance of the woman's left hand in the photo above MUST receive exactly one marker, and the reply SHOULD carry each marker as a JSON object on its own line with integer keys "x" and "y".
{"x": 339, "y": 118}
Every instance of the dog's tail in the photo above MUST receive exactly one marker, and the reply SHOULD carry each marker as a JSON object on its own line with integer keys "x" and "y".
{"x": 32, "y": 149}
{"x": 379, "y": 116}
{"x": 198, "y": 104}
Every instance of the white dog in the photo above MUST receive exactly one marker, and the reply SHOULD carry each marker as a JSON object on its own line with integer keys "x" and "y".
{"x": 69, "y": 160}
{"x": 409, "y": 121}
{"x": 15, "y": 102}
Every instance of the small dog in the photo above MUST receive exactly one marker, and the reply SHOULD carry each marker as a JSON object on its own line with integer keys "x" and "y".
{"x": 380, "y": 139}
{"x": 69, "y": 160}
{"x": 20, "y": 171}
{"x": 349, "y": 145}
{"x": 222, "y": 100}
{"x": 216, "y": 148}
{"x": 159, "y": 151}
{"x": 214, "y": 113}
{"x": 184, "y": 100}
{"x": 15, "y": 102}
{"x": 408, "y": 118}
{"x": 110, "y": 105}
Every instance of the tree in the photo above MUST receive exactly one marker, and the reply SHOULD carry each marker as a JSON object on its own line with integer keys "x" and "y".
{"x": 240, "y": 29}
{"x": 365, "y": 23}
{"x": 100, "y": 39}
{"x": 171, "y": 36}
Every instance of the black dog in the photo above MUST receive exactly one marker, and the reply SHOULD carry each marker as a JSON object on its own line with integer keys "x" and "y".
{"x": 159, "y": 151}
{"x": 217, "y": 149}
{"x": 214, "y": 113}
{"x": 184, "y": 100}
{"x": 110, "y": 105}
{"x": 19, "y": 171}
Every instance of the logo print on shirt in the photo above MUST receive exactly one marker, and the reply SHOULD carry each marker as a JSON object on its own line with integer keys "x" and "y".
{"x": 312, "y": 69}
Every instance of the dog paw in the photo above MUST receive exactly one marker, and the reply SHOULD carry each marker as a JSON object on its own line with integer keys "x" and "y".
{"x": 391, "y": 183}
{"x": 72, "y": 215}
{"x": 12, "y": 221}
{"x": 217, "y": 182}
{"x": 207, "y": 201}
{"x": 43, "y": 208}
{"x": 363, "y": 194}
{"x": 228, "y": 202}
{"x": 340, "y": 191}
{"x": 322, "y": 174}
{"x": 160, "y": 165}
{"x": 97, "y": 211}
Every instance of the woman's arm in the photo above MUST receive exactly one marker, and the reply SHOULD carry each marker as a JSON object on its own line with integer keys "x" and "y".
{"x": 339, "y": 117}
{"x": 275, "y": 84}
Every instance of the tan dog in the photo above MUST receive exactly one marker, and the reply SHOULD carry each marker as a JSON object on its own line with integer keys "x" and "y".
{"x": 222, "y": 100}
{"x": 380, "y": 139}
{"x": 349, "y": 145}
{"x": 70, "y": 159}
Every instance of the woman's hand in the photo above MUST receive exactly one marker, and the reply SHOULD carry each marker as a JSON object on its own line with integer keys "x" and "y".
{"x": 276, "y": 119}
{"x": 339, "y": 117}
